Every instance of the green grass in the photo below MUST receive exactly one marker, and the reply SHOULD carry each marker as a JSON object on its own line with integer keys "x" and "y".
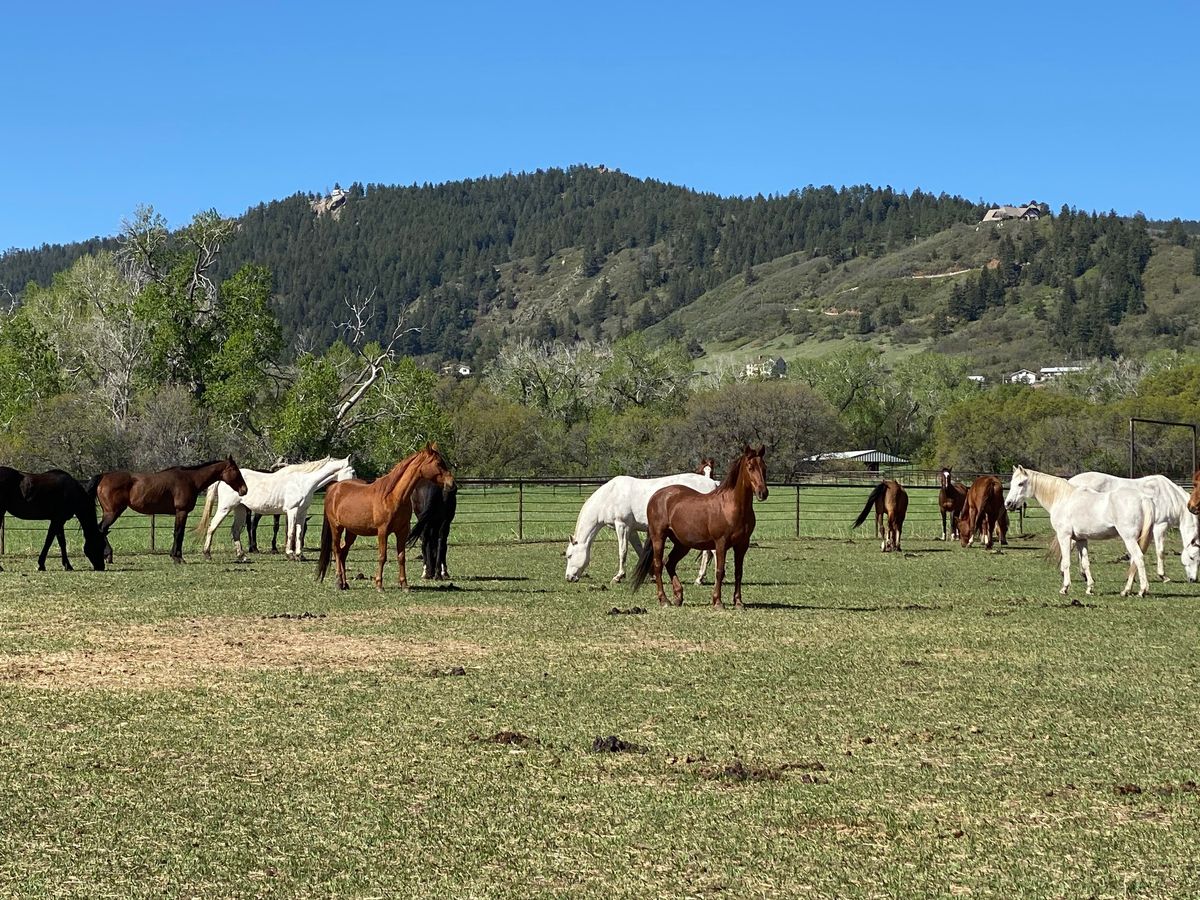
{"x": 166, "y": 731}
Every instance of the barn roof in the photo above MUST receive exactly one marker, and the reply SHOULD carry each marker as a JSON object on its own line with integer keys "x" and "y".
{"x": 863, "y": 456}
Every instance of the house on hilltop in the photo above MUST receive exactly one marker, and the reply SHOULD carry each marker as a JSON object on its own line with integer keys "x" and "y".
{"x": 1028, "y": 212}
{"x": 765, "y": 367}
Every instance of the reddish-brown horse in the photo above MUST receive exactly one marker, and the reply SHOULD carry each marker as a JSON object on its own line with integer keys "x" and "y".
{"x": 717, "y": 521}
{"x": 891, "y": 500}
{"x": 1193, "y": 503}
{"x": 382, "y": 507}
{"x": 172, "y": 491}
{"x": 984, "y": 512}
{"x": 951, "y": 499}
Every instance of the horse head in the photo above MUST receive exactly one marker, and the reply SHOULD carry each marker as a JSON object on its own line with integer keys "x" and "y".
{"x": 578, "y": 554}
{"x": 1190, "y": 557}
{"x": 95, "y": 547}
{"x": 1018, "y": 490}
{"x": 433, "y": 466}
{"x": 707, "y": 466}
{"x": 232, "y": 476}
{"x": 756, "y": 469}
{"x": 946, "y": 477}
{"x": 346, "y": 472}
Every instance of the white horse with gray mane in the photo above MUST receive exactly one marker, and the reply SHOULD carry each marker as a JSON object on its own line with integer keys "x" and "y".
{"x": 1170, "y": 510}
{"x": 1079, "y": 514}
{"x": 621, "y": 503}
{"x": 288, "y": 490}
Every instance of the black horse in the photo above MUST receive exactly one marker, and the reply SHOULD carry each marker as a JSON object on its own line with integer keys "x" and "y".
{"x": 435, "y": 511}
{"x": 56, "y": 496}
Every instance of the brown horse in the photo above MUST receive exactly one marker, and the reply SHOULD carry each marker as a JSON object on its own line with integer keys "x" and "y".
{"x": 382, "y": 507}
{"x": 171, "y": 491}
{"x": 1193, "y": 503}
{"x": 716, "y": 521}
{"x": 56, "y": 496}
{"x": 951, "y": 499}
{"x": 891, "y": 500}
{"x": 984, "y": 512}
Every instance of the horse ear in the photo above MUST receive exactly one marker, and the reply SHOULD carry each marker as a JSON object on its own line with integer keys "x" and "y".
{"x": 762, "y": 449}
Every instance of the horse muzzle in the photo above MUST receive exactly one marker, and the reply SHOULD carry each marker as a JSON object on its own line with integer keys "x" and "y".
{"x": 1194, "y": 509}
{"x": 1010, "y": 505}
{"x": 763, "y": 494}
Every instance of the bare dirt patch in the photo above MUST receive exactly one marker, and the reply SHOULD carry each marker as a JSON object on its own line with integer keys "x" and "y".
{"x": 185, "y": 652}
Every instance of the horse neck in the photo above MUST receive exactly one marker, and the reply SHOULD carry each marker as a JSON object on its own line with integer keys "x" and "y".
{"x": 206, "y": 475}
{"x": 321, "y": 476}
{"x": 591, "y": 519}
{"x": 1048, "y": 490}
{"x": 740, "y": 488}
{"x": 402, "y": 483}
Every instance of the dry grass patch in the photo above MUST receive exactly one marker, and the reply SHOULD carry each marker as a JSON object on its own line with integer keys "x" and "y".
{"x": 183, "y": 652}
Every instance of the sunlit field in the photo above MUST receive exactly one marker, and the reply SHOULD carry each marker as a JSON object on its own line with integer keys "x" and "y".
{"x": 931, "y": 722}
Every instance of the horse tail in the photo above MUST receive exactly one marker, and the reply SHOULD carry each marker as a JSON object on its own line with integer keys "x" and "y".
{"x": 644, "y": 564}
{"x": 424, "y": 520}
{"x": 326, "y": 548}
{"x": 209, "y": 503}
{"x": 1147, "y": 524}
{"x": 871, "y": 500}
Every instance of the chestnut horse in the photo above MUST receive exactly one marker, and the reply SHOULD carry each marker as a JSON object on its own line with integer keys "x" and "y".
{"x": 1193, "y": 503}
{"x": 382, "y": 507}
{"x": 56, "y": 496}
{"x": 951, "y": 499}
{"x": 891, "y": 500}
{"x": 716, "y": 521}
{"x": 984, "y": 512}
{"x": 171, "y": 491}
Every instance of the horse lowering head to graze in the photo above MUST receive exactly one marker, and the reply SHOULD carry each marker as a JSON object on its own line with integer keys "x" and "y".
{"x": 717, "y": 521}
{"x": 382, "y": 508}
{"x": 890, "y": 500}
{"x": 983, "y": 512}
{"x": 172, "y": 491}
{"x": 952, "y": 496}
{"x": 56, "y": 496}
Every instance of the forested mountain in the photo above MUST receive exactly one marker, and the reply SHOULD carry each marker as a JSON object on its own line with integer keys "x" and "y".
{"x": 592, "y": 253}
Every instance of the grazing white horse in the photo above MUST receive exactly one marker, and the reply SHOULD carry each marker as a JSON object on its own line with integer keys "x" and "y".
{"x": 621, "y": 503}
{"x": 1170, "y": 509}
{"x": 288, "y": 490}
{"x": 1079, "y": 514}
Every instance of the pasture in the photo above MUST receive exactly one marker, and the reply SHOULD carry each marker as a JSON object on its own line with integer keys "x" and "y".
{"x": 933, "y": 722}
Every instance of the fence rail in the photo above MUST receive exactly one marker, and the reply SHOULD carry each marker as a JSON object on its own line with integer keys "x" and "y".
{"x": 545, "y": 509}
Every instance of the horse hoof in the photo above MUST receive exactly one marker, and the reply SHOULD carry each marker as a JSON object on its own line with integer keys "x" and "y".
{"x": 41, "y": 567}
{"x": 663, "y": 601}
{"x": 1164, "y": 578}
{"x": 618, "y": 578}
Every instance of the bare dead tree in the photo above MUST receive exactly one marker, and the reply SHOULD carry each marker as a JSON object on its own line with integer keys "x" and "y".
{"x": 372, "y": 366}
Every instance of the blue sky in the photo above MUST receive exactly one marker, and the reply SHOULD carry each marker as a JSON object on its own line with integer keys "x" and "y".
{"x": 187, "y": 107}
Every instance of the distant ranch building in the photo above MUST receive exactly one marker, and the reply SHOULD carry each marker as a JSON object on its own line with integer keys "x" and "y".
{"x": 766, "y": 368}
{"x": 1029, "y": 211}
{"x": 1023, "y": 376}
{"x": 872, "y": 459}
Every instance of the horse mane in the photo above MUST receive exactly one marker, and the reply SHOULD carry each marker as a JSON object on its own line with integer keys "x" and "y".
{"x": 313, "y": 466}
{"x": 203, "y": 465}
{"x": 732, "y": 477}
{"x": 388, "y": 482}
{"x": 1053, "y": 487}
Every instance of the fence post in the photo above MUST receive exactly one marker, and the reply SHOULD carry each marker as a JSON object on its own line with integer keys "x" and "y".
{"x": 152, "y": 533}
{"x": 1, "y": 537}
{"x": 797, "y": 510}
{"x": 520, "y": 509}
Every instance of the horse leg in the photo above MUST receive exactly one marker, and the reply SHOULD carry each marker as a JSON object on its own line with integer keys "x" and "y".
{"x": 678, "y": 552}
{"x": 943, "y": 537}
{"x": 106, "y": 522}
{"x": 180, "y": 529}
{"x": 1085, "y": 564}
{"x": 240, "y": 516}
{"x": 341, "y": 551}
{"x": 401, "y": 540}
{"x": 1064, "y": 564}
{"x": 1137, "y": 564}
{"x": 657, "y": 542}
{"x": 739, "y": 557}
{"x": 62, "y": 546}
{"x": 275, "y": 534}
{"x": 291, "y": 539}
{"x": 1160, "y": 534}
{"x": 622, "y": 549}
{"x": 719, "y": 577}
{"x": 987, "y": 531}
{"x": 46, "y": 548}
{"x": 705, "y": 555}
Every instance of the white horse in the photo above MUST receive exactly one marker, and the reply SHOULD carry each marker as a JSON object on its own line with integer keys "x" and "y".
{"x": 1079, "y": 514}
{"x": 621, "y": 503}
{"x": 288, "y": 490}
{"x": 1170, "y": 509}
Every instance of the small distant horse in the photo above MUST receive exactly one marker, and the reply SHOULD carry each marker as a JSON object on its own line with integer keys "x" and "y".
{"x": 621, "y": 503}
{"x": 951, "y": 498}
{"x": 1170, "y": 509}
{"x": 56, "y": 496}
{"x": 1080, "y": 514}
{"x": 286, "y": 491}
{"x": 382, "y": 508}
{"x": 694, "y": 520}
{"x": 431, "y": 503}
{"x": 171, "y": 491}
{"x": 891, "y": 500}
{"x": 984, "y": 512}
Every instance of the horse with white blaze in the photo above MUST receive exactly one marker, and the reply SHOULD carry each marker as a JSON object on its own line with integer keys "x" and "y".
{"x": 1079, "y": 515}
{"x": 621, "y": 504}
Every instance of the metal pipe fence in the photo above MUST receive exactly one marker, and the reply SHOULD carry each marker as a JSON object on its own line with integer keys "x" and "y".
{"x": 545, "y": 509}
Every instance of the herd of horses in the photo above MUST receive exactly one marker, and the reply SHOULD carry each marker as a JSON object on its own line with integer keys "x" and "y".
{"x": 691, "y": 510}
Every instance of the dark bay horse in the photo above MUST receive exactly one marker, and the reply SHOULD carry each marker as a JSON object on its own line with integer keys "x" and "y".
{"x": 951, "y": 499}
{"x": 715, "y": 521}
{"x": 382, "y": 507}
{"x": 891, "y": 500}
{"x": 56, "y": 496}
{"x": 984, "y": 512}
{"x": 172, "y": 491}
{"x": 434, "y": 507}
